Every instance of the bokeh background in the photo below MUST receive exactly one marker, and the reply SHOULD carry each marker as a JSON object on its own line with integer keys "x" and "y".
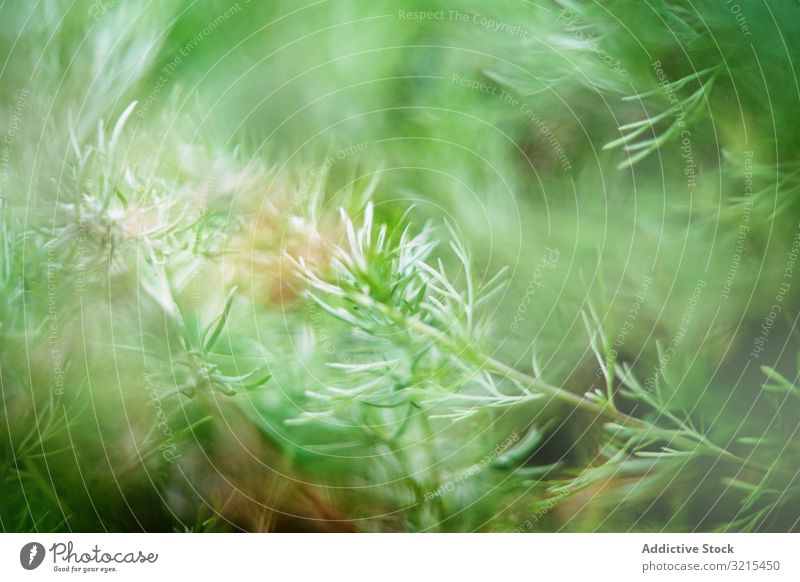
{"x": 631, "y": 168}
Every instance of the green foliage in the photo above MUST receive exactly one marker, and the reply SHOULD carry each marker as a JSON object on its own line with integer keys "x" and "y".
{"x": 399, "y": 267}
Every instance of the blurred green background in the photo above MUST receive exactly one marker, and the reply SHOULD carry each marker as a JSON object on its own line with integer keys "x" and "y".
{"x": 635, "y": 160}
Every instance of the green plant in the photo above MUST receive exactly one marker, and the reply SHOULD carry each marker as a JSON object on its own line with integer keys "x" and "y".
{"x": 559, "y": 296}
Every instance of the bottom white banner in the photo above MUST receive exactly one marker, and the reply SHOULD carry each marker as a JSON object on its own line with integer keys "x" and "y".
{"x": 354, "y": 557}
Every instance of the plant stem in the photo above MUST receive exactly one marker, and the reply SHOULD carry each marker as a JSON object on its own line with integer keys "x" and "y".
{"x": 494, "y": 365}
{"x": 491, "y": 364}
